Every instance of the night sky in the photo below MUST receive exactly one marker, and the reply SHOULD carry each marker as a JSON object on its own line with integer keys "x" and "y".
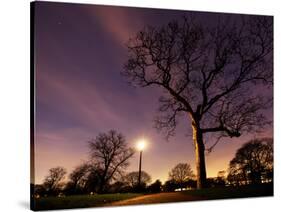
{"x": 79, "y": 54}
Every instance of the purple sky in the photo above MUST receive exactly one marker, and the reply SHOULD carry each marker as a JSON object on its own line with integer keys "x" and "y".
{"x": 79, "y": 53}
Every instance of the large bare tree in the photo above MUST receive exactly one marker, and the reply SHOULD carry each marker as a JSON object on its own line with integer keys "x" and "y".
{"x": 216, "y": 75}
{"x": 110, "y": 154}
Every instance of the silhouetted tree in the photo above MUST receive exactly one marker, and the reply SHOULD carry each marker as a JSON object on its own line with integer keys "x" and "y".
{"x": 220, "y": 180}
{"x": 210, "y": 183}
{"x": 78, "y": 179}
{"x": 170, "y": 185}
{"x": 155, "y": 187}
{"x": 53, "y": 182}
{"x": 191, "y": 183}
{"x": 93, "y": 181}
{"x": 209, "y": 73}
{"x": 109, "y": 154}
{"x": 253, "y": 162}
{"x": 236, "y": 176}
{"x": 181, "y": 173}
{"x": 39, "y": 190}
{"x": 119, "y": 187}
{"x": 132, "y": 180}
{"x": 221, "y": 174}
{"x": 215, "y": 182}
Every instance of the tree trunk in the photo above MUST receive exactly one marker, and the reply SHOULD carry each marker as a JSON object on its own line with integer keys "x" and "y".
{"x": 199, "y": 155}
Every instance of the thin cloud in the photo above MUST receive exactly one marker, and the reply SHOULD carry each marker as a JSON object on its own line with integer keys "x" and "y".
{"x": 117, "y": 21}
{"x": 77, "y": 99}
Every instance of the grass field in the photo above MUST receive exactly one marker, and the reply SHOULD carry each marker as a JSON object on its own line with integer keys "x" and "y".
{"x": 84, "y": 201}
{"x": 79, "y": 201}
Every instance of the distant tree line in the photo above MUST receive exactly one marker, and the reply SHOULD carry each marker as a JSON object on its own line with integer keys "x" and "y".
{"x": 105, "y": 172}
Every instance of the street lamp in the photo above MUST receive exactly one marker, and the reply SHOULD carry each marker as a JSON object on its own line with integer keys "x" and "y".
{"x": 140, "y": 146}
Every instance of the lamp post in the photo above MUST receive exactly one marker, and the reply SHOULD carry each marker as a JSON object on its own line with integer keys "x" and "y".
{"x": 140, "y": 169}
{"x": 140, "y": 146}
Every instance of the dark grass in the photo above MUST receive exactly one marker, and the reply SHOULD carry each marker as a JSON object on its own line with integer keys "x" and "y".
{"x": 79, "y": 201}
{"x": 233, "y": 192}
{"x": 85, "y": 201}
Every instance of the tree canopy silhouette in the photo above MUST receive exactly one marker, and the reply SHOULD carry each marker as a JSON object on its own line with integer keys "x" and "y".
{"x": 109, "y": 154}
{"x": 215, "y": 75}
{"x": 253, "y": 162}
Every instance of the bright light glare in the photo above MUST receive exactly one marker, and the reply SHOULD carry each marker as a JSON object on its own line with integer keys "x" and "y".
{"x": 141, "y": 144}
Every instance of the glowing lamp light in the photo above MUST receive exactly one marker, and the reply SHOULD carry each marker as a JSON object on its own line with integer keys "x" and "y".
{"x": 141, "y": 145}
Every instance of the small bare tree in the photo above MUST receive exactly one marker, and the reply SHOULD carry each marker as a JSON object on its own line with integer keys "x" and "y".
{"x": 214, "y": 75}
{"x": 53, "y": 181}
{"x": 110, "y": 154}
{"x": 181, "y": 173}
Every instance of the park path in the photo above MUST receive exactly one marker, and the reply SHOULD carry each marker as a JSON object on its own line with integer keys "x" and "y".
{"x": 157, "y": 198}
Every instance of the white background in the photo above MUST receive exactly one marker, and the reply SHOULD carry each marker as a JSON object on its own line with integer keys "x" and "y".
{"x": 14, "y": 102}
